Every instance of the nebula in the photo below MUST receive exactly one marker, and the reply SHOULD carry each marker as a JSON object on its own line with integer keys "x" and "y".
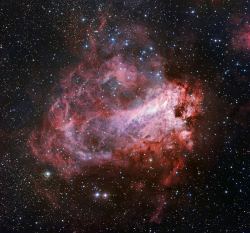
{"x": 241, "y": 38}
{"x": 117, "y": 107}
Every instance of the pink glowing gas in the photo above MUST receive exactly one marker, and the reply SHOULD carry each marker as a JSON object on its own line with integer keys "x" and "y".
{"x": 241, "y": 38}
{"x": 116, "y": 108}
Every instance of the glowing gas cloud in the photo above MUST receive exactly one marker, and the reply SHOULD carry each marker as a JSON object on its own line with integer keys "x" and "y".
{"x": 241, "y": 38}
{"x": 117, "y": 107}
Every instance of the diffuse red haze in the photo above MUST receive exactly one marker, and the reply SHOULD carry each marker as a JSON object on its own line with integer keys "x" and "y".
{"x": 117, "y": 108}
{"x": 241, "y": 41}
{"x": 241, "y": 33}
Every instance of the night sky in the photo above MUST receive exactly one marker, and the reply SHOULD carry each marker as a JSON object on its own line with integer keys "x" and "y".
{"x": 124, "y": 116}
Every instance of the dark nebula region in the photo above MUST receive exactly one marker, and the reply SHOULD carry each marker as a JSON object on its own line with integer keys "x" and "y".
{"x": 125, "y": 116}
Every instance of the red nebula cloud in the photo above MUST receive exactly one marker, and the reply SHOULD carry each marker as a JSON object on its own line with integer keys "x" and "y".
{"x": 114, "y": 109}
{"x": 241, "y": 38}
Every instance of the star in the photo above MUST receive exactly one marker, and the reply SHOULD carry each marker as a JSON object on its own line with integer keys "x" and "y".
{"x": 47, "y": 174}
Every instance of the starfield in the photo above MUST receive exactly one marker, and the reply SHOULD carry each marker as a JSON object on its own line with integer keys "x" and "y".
{"x": 124, "y": 116}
